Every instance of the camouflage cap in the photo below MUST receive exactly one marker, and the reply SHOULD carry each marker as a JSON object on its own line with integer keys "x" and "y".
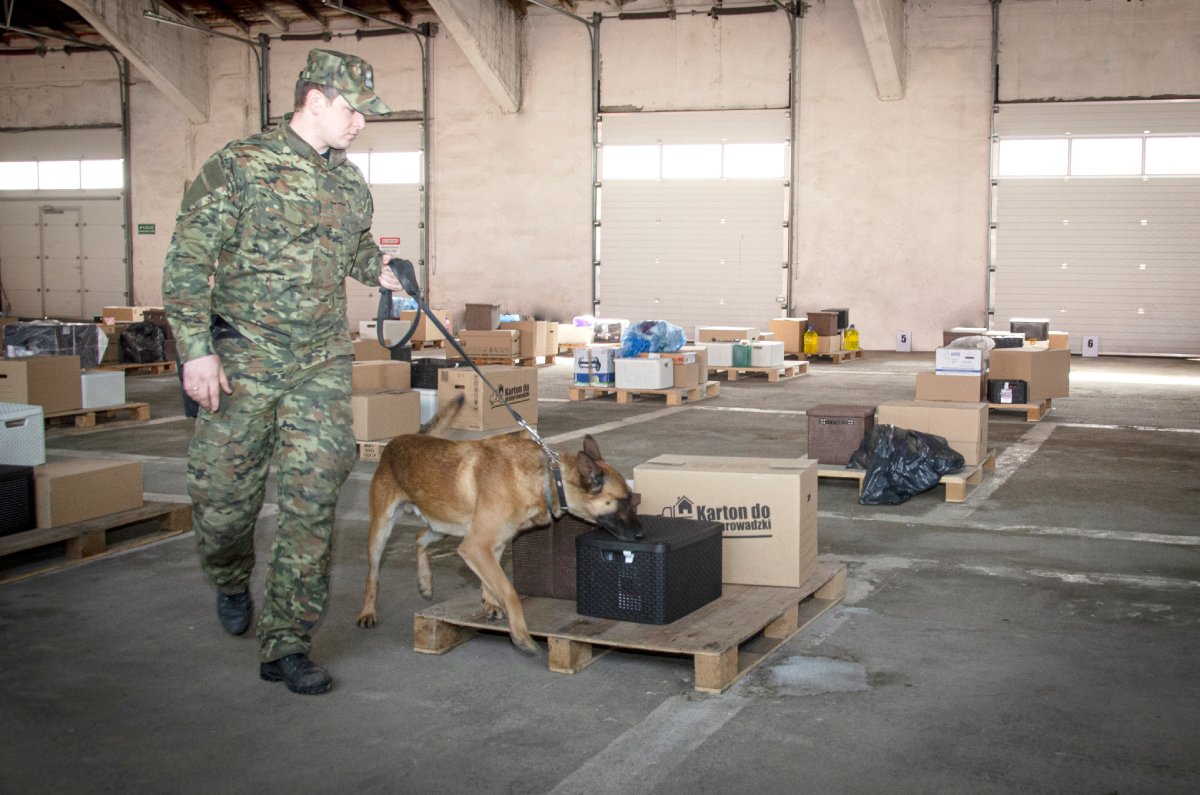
{"x": 350, "y": 75}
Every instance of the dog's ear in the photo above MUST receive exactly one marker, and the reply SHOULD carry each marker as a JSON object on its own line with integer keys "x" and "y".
{"x": 591, "y": 448}
{"x": 589, "y": 473}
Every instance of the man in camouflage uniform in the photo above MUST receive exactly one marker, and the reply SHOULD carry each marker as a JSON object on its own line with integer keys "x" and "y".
{"x": 276, "y": 222}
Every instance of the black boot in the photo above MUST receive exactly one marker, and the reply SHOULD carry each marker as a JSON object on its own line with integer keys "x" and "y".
{"x": 298, "y": 672}
{"x": 234, "y": 611}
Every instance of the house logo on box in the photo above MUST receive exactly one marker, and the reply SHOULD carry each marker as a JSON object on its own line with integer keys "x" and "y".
{"x": 741, "y": 520}
{"x": 513, "y": 394}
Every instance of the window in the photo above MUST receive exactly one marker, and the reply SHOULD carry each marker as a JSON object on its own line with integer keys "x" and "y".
{"x": 755, "y": 161}
{"x": 1172, "y": 156}
{"x": 388, "y": 168}
{"x": 694, "y": 161}
{"x": 101, "y": 174}
{"x": 1151, "y": 156}
{"x": 62, "y": 175}
{"x": 1107, "y": 157}
{"x": 631, "y": 162}
{"x": 18, "y": 176}
{"x": 691, "y": 161}
{"x": 1033, "y": 158}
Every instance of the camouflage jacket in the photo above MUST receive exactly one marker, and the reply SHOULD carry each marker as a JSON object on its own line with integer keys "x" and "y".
{"x": 275, "y": 229}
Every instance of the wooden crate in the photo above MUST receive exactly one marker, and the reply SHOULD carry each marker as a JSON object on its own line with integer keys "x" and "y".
{"x": 726, "y": 638}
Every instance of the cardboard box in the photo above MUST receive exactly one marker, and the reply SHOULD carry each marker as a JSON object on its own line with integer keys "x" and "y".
{"x": 500, "y": 342}
{"x": 81, "y": 489}
{"x": 122, "y": 314}
{"x": 595, "y": 365}
{"x": 482, "y": 317}
{"x": 426, "y": 331}
{"x": 382, "y": 415}
{"x": 370, "y": 351}
{"x": 767, "y": 508}
{"x": 824, "y": 322}
{"x": 393, "y": 330}
{"x": 828, "y": 345}
{"x": 963, "y": 425}
{"x": 952, "y": 361}
{"x": 725, "y": 333}
{"x": 836, "y": 431}
{"x": 1046, "y": 372}
{"x": 685, "y": 369}
{"x": 99, "y": 388}
{"x": 51, "y": 382}
{"x": 789, "y": 331}
{"x": 381, "y": 376}
{"x": 957, "y": 388}
{"x": 639, "y": 373}
{"x": 1059, "y": 340}
{"x": 766, "y": 353}
{"x": 483, "y": 410}
{"x": 538, "y": 337}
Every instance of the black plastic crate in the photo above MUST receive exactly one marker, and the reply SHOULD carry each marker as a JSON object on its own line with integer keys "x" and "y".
{"x": 1007, "y": 340}
{"x": 673, "y": 570}
{"x": 16, "y": 499}
{"x": 1000, "y": 391}
{"x": 843, "y": 321}
{"x": 425, "y": 371}
{"x": 543, "y": 559}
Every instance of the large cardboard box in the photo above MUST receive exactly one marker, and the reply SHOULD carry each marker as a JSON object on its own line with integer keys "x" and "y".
{"x": 689, "y": 365}
{"x": 1045, "y": 371}
{"x": 482, "y": 317}
{"x": 498, "y": 342}
{"x": 393, "y": 330}
{"x": 381, "y": 376}
{"x": 484, "y": 410}
{"x": 958, "y": 388}
{"x": 101, "y": 388}
{"x": 51, "y": 382}
{"x": 370, "y": 351}
{"x": 725, "y": 333}
{"x": 596, "y": 365}
{"x": 767, "y": 508}
{"x": 426, "y": 331}
{"x": 382, "y": 415}
{"x": 640, "y": 373}
{"x": 964, "y": 426}
{"x": 789, "y": 331}
{"x": 81, "y": 489}
{"x": 953, "y": 361}
{"x": 538, "y": 337}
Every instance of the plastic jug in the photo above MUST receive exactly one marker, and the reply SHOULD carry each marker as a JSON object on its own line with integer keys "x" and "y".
{"x": 851, "y": 343}
{"x": 741, "y": 353}
{"x": 810, "y": 340}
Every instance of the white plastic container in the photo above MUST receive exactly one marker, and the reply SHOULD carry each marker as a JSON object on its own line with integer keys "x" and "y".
{"x": 638, "y": 373}
{"x": 22, "y": 435}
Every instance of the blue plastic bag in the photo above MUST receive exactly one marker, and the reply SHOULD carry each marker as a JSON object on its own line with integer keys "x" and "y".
{"x": 651, "y": 336}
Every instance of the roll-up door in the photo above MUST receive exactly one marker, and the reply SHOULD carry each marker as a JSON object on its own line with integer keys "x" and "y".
{"x": 702, "y": 241}
{"x": 1096, "y": 208}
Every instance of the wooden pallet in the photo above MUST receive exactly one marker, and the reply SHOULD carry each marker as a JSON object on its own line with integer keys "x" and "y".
{"x": 420, "y": 345}
{"x": 90, "y": 539}
{"x": 781, "y": 373}
{"x": 837, "y": 356}
{"x": 675, "y": 395}
{"x": 87, "y": 418}
{"x": 726, "y": 638}
{"x": 958, "y": 485}
{"x": 143, "y": 368}
{"x": 1033, "y": 411}
{"x": 510, "y": 361}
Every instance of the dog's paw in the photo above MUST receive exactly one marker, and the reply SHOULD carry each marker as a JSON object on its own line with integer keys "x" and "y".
{"x": 366, "y": 620}
{"x": 527, "y": 646}
{"x": 426, "y": 593}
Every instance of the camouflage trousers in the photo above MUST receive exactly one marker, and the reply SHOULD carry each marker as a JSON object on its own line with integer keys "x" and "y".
{"x": 297, "y": 412}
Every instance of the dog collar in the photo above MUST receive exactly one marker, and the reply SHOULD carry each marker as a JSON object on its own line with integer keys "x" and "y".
{"x": 550, "y": 467}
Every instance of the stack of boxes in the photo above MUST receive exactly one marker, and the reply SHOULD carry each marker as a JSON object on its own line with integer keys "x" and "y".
{"x": 382, "y": 401}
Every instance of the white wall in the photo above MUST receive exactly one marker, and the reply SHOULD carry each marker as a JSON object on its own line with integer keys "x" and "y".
{"x": 891, "y": 211}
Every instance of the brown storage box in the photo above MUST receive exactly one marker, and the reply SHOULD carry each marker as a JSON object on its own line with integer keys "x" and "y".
{"x": 370, "y": 351}
{"x": 122, "y": 314}
{"x": 789, "y": 331}
{"x": 1059, "y": 340}
{"x": 1045, "y": 371}
{"x": 963, "y": 425}
{"x": 382, "y": 415}
{"x": 538, "y": 337}
{"x": 51, "y": 382}
{"x": 499, "y": 342}
{"x": 543, "y": 559}
{"x": 484, "y": 411}
{"x": 835, "y": 431}
{"x": 828, "y": 345}
{"x": 824, "y": 322}
{"x": 381, "y": 376}
{"x": 957, "y": 388}
{"x": 482, "y": 317}
{"x": 426, "y": 331}
{"x": 80, "y": 489}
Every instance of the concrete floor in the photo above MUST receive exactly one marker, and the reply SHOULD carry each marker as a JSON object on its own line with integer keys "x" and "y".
{"x": 1040, "y": 637}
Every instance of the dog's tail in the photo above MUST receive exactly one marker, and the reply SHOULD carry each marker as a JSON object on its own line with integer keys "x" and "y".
{"x": 445, "y": 415}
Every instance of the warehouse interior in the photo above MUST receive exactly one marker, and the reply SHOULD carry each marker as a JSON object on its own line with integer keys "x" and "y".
{"x": 930, "y": 164}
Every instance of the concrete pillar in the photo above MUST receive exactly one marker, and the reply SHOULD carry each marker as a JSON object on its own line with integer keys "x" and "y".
{"x": 882, "y": 24}
{"x": 489, "y": 34}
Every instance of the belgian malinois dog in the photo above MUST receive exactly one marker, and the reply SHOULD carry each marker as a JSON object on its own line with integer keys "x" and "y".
{"x": 485, "y": 492}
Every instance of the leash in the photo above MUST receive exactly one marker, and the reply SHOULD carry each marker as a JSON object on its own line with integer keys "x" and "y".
{"x": 407, "y": 276}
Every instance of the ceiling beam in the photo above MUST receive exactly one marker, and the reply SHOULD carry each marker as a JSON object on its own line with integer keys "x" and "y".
{"x": 399, "y": 10}
{"x": 231, "y": 15}
{"x": 882, "y": 24}
{"x": 183, "y": 14}
{"x": 489, "y": 34}
{"x": 309, "y": 11}
{"x": 270, "y": 14}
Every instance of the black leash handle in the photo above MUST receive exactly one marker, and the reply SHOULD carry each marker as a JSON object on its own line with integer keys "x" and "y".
{"x": 407, "y": 277}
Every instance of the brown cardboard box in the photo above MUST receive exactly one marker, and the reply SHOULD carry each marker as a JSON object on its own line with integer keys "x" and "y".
{"x": 689, "y": 366}
{"x": 1059, "y": 340}
{"x": 482, "y": 317}
{"x": 956, "y": 388}
{"x": 725, "y": 333}
{"x": 790, "y": 331}
{"x": 963, "y": 425}
{"x": 382, "y": 415}
{"x": 126, "y": 314}
{"x": 426, "y": 331}
{"x": 538, "y": 337}
{"x": 369, "y": 350}
{"x": 827, "y": 345}
{"x": 51, "y": 382}
{"x": 483, "y": 410}
{"x": 824, "y": 322}
{"x": 380, "y": 376}
{"x": 767, "y": 506}
{"x": 80, "y": 489}
{"x": 500, "y": 342}
{"x": 836, "y": 431}
{"x": 1046, "y": 372}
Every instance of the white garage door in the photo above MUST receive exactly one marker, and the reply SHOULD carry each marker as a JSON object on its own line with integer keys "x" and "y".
{"x": 1096, "y": 222}
{"x": 692, "y": 216}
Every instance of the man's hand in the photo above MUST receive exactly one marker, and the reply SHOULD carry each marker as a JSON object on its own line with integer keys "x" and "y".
{"x": 204, "y": 380}
{"x": 387, "y": 278}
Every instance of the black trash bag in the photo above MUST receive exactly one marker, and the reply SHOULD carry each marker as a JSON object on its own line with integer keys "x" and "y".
{"x": 901, "y": 463}
{"x": 142, "y": 343}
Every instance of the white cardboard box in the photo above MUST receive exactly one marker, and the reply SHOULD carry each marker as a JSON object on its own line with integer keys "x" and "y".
{"x": 638, "y": 373}
{"x": 595, "y": 365}
{"x": 393, "y": 330}
{"x": 766, "y": 353}
{"x": 720, "y": 354}
{"x": 967, "y": 361}
{"x": 22, "y": 435}
{"x": 102, "y": 388}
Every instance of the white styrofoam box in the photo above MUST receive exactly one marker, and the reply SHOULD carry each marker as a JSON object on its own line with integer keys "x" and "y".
{"x": 22, "y": 435}
{"x": 766, "y": 353}
{"x": 960, "y": 360}
{"x": 393, "y": 330}
{"x": 639, "y": 373}
{"x": 429, "y": 403}
{"x": 102, "y": 388}
{"x": 720, "y": 354}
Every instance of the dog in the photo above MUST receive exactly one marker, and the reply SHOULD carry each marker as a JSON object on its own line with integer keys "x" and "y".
{"x": 485, "y": 492}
